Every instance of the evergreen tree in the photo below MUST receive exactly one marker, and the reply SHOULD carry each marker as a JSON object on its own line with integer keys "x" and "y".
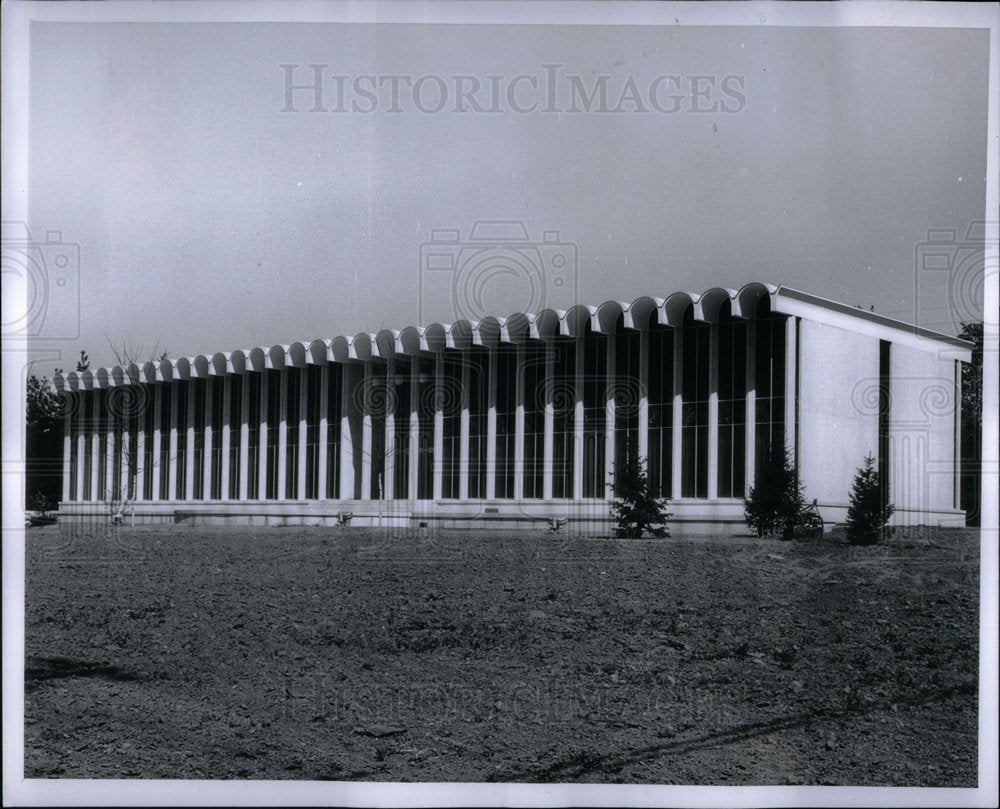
{"x": 869, "y": 510}
{"x": 778, "y": 499}
{"x": 634, "y": 508}
{"x": 43, "y": 444}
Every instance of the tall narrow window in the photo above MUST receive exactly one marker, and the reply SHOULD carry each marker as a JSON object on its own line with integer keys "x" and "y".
{"x": 534, "y": 418}
{"x": 478, "y": 390}
{"x": 101, "y": 427}
{"x": 884, "y": 411}
{"x": 450, "y": 402}
{"x": 87, "y": 409}
{"x": 695, "y": 391}
{"x": 661, "y": 407}
{"x": 292, "y": 433}
{"x": 255, "y": 381}
{"x": 183, "y": 388}
{"x": 595, "y": 383}
{"x": 627, "y": 394}
{"x": 732, "y": 404}
{"x": 166, "y": 405}
{"x": 198, "y": 391}
{"x": 425, "y": 435}
{"x": 314, "y": 374}
{"x": 71, "y": 404}
{"x": 136, "y": 403}
{"x": 148, "y": 423}
{"x": 564, "y": 415}
{"x": 769, "y": 383}
{"x": 218, "y": 414}
{"x": 129, "y": 460}
{"x": 400, "y": 402}
{"x": 235, "y": 420}
{"x": 273, "y": 418}
{"x": 375, "y": 404}
{"x": 120, "y": 453}
{"x": 333, "y": 415}
{"x": 506, "y": 358}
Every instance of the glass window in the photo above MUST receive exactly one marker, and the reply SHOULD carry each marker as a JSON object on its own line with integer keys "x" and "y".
{"x": 534, "y": 419}
{"x": 334, "y": 405}
{"x": 506, "y": 358}
{"x": 564, "y": 415}
{"x": 769, "y": 383}
{"x": 661, "y": 407}
{"x": 732, "y": 405}
{"x": 595, "y": 383}
{"x": 695, "y": 338}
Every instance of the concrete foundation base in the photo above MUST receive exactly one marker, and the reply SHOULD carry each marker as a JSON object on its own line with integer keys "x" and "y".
{"x": 590, "y": 517}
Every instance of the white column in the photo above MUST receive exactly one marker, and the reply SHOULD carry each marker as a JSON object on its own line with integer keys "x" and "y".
{"x": 346, "y": 439}
{"x": 303, "y": 430}
{"x": 323, "y": 432}
{"x": 713, "y": 410}
{"x": 189, "y": 439}
{"x": 140, "y": 445}
{"x": 548, "y": 420}
{"x": 227, "y": 408}
{"x": 157, "y": 438}
{"x": 751, "y": 415}
{"x": 262, "y": 439}
{"x": 366, "y": 432}
{"x": 519, "y": 423}
{"x": 609, "y": 420}
{"x": 463, "y": 430}
{"x": 791, "y": 384}
{"x": 438, "y": 424}
{"x": 67, "y": 444}
{"x": 390, "y": 429}
{"x": 643, "y": 438}
{"x": 414, "y": 424}
{"x": 578, "y": 418}
{"x": 206, "y": 451}
{"x": 283, "y": 436}
{"x": 172, "y": 445}
{"x": 491, "y": 425}
{"x": 677, "y": 433}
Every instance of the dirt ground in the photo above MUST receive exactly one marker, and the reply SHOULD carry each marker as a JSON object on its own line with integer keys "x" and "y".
{"x": 353, "y": 654}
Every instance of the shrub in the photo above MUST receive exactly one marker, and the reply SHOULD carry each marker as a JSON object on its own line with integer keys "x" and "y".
{"x": 869, "y": 509}
{"x": 775, "y": 503}
{"x": 41, "y": 504}
{"x": 635, "y": 509}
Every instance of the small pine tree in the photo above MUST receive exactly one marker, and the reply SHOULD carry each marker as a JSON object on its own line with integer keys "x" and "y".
{"x": 869, "y": 509}
{"x": 778, "y": 499}
{"x": 634, "y": 508}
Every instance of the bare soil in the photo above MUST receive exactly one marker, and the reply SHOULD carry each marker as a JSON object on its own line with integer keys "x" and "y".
{"x": 354, "y": 654}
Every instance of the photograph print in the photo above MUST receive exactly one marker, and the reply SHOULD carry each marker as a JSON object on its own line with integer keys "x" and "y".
{"x": 500, "y": 403}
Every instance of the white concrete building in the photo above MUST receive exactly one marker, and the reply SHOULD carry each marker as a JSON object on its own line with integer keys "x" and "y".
{"x": 514, "y": 420}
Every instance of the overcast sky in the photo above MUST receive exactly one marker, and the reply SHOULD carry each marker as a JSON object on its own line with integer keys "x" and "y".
{"x": 209, "y": 217}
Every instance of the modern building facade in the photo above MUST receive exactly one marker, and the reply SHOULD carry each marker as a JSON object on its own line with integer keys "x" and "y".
{"x": 516, "y": 420}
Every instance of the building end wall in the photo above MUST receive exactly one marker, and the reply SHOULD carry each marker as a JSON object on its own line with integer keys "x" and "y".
{"x": 838, "y": 409}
